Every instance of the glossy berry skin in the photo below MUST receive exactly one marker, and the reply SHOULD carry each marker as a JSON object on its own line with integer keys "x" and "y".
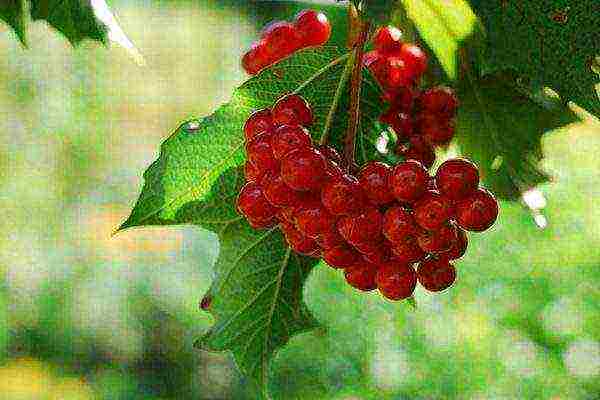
{"x": 368, "y": 247}
{"x": 343, "y": 196}
{"x": 414, "y": 58}
{"x": 396, "y": 281}
{"x": 342, "y": 256}
{"x": 438, "y": 241}
{"x": 279, "y": 194}
{"x": 260, "y": 153}
{"x": 459, "y": 248}
{"x": 435, "y": 130}
{"x": 314, "y": 221}
{"x": 439, "y": 100}
{"x": 398, "y": 223}
{"x": 380, "y": 255}
{"x": 457, "y": 178}
{"x": 251, "y": 172}
{"x": 330, "y": 239}
{"x": 432, "y": 210}
{"x": 478, "y": 212}
{"x": 387, "y": 39}
{"x": 304, "y": 169}
{"x": 331, "y": 154}
{"x": 256, "y": 58}
{"x": 436, "y": 274}
{"x": 418, "y": 150}
{"x": 262, "y": 223}
{"x": 408, "y": 181}
{"x": 361, "y": 276}
{"x": 252, "y": 203}
{"x": 281, "y": 39}
{"x": 408, "y": 251}
{"x": 298, "y": 242}
{"x": 259, "y": 122}
{"x": 288, "y": 138}
{"x": 362, "y": 228}
{"x": 401, "y": 99}
{"x": 314, "y": 27}
{"x": 292, "y": 110}
{"x": 373, "y": 180}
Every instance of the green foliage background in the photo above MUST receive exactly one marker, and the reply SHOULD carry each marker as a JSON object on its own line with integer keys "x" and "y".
{"x": 95, "y": 317}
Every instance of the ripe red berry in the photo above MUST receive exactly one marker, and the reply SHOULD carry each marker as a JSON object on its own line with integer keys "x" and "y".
{"x": 341, "y": 256}
{"x": 408, "y": 180}
{"x": 477, "y": 212}
{"x": 402, "y": 124}
{"x": 259, "y": 122}
{"x": 438, "y": 241}
{"x": 330, "y": 239}
{"x": 373, "y": 180}
{"x": 251, "y": 172}
{"x": 314, "y": 221}
{"x": 279, "y": 194}
{"x": 408, "y": 251}
{"x": 436, "y": 274}
{"x": 433, "y": 210}
{"x": 401, "y": 99}
{"x": 298, "y": 242}
{"x": 380, "y": 255}
{"x": 281, "y": 39}
{"x": 369, "y": 246}
{"x": 304, "y": 169}
{"x": 260, "y": 153}
{"x": 459, "y": 248}
{"x": 398, "y": 223}
{"x": 414, "y": 58}
{"x": 252, "y": 203}
{"x": 396, "y": 281}
{"x": 314, "y": 28}
{"x": 435, "y": 129}
{"x": 330, "y": 154}
{"x": 457, "y": 178}
{"x": 439, "y": 100}
{"x": 417, "y": 149}
{"x": 292, "y": 110}
{"x": 288, "y": 138}
{"x": 377, "y": 64}
{"x": 256, "y": 58}
{"x": 387, "y": 39}
{"x": 361, "y": 275}
{"x": 343, "y": 196}
{"x": 397, "y": 73}
{"x": 362, "y": 228}
{"x": 262, "y": 223}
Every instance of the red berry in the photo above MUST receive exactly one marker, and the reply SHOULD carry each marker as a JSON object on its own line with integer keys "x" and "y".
{"x": 304, "y": 169}
{"x": 292, "y": 109}
{"x": 436, "y": 274}
{"x": 314, "y": 28}
{"x": 362, "y": 228}
{"x": 388, "y": 39}
{"x": 333, "y": 171}
{"x": 288, "y": 138}
{"x": 438, "y": 241}
{"x": 459, "y": 248}
{"x": 341, "y": 256}
{"x": 439, "y": 100}
{"x": 260, "y": 153}
{"x": 408, "y": 251}
{"x": 279, "y": 194}
{"x": 457, "y": 178}
{"x": 314, "y": 221}
{"x": 435, "y": 130}
{"x": 330, "y": 154}
{"x": 361, "y": 275}
{"x": 298, "y": 242}
{"x": 414, "y": 58}
{"x": 369, "y": 247}
{"x": 262, "y": 223}
{"x": 380, "y": 255}
{"x": 402, "y": 124}
{"x": 373, "y": 179}
{"x": 256, "y": 58}
{"x": 396, "y": 281}
{"x": 259, "y": 122}
{"x": 330, "y": 238}
{"x": 251, "y": 172}
{"x": 408, "y": 180}
{"x": 343, "y": 196}
{"x": 417, "y": 149}
{"x": 252, "y": 203}
{"x": 281, "y": 39}
{"x": 377, "y": 65}
{"x": 401, "y": 99}
{"x": 477, "y": 212}
{"x": 398, "y": 223}
{"x": 397, "y": 73}
{"x": 433, "y": 210}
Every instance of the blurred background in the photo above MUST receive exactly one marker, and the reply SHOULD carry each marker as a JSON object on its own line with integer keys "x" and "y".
{"x": 84, "y": 315}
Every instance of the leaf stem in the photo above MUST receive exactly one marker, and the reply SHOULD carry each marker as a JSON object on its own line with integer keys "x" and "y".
{"x": 336, "y": 98}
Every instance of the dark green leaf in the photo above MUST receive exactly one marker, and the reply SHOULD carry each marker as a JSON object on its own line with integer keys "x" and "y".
{"x": 380, "y": 11}
{"x": 553, "y": 42}
{"x": 501, "y": 129}
{"x": 12, "y": 12}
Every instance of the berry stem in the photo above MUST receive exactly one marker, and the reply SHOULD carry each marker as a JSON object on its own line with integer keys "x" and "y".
{"x": 355, "y": 86}
{"x": 336, "y": 98}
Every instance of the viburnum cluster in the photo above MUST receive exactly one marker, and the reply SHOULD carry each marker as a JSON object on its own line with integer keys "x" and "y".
{"x": 281, "y": 38}
{"x": 376, "y": 226}
{"x": 421, "y": 118}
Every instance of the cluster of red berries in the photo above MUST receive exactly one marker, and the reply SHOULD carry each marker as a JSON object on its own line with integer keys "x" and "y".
{"x": 281, "y": 38}
{"x": 421, "y": 119}
{"x": 376, "y": 226}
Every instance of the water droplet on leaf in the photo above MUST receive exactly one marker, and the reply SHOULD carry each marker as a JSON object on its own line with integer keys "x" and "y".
{"x": 192, "y": 126}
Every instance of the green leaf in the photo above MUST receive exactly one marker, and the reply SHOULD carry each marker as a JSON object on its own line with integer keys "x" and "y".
{"x": 500, "y": 129}
{"x": 192, "y": 159}
{"x": 553, "y": 42}
{"x": 12, "y": 12}
{"x": 256, "y": 296}
{"x": 379, "y": 11}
